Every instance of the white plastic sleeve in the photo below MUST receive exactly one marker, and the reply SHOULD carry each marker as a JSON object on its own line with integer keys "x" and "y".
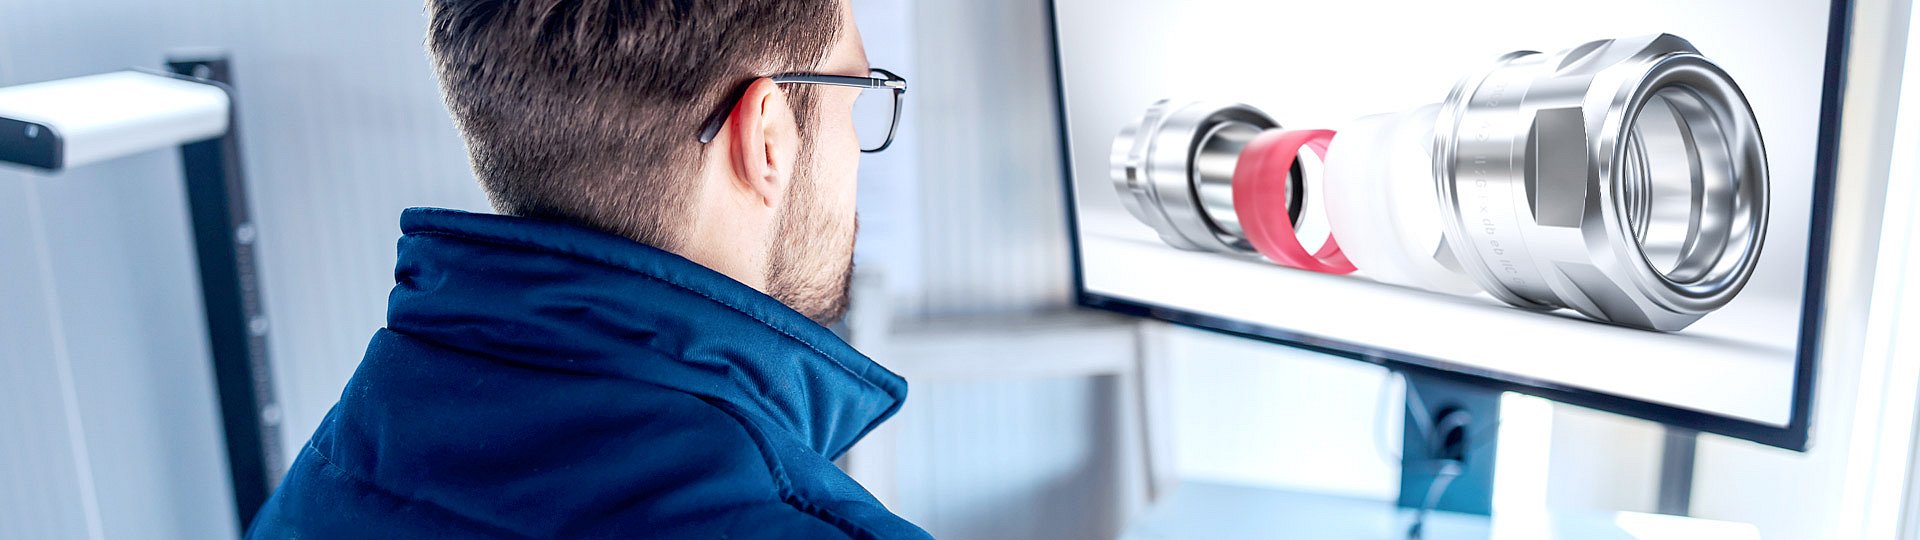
{"x": 1381, "y": 202}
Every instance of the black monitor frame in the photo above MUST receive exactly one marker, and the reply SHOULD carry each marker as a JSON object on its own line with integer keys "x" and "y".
{"x": 1793, "y": 436}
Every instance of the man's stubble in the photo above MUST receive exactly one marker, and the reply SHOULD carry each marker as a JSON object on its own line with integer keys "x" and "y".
{"x": 810, "y": 268}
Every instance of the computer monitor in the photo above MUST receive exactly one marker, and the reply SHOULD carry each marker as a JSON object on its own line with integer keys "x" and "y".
{"x": 1634, "y": 219}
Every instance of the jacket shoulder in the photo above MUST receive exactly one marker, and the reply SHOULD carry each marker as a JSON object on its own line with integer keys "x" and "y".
{"x": 318, "y": 500}
{"x": 492, "y": 451}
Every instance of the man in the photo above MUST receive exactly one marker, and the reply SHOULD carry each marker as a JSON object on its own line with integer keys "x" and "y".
{"x": 633, "y": 349}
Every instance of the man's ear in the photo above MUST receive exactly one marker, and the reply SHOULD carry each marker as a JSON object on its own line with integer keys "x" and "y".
{"x": 765, "y": 142}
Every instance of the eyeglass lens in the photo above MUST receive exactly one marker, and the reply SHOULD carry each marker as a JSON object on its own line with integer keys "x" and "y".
{"x": 873, "y": 117}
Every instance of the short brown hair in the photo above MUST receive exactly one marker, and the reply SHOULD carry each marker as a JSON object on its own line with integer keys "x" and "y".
{"x": 588, "y": 111}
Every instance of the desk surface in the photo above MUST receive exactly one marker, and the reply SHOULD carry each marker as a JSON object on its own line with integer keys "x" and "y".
{"x": 1208, "y": 510}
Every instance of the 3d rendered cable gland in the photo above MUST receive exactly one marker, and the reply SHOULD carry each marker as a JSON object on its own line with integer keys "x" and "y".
{"x": 1625, "y": 179}
{"x": 1174, "y": 169}
{"x": 1179, "y": 170}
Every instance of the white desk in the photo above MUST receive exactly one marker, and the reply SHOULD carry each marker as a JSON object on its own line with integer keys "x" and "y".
{"x": 1213, "y": 511}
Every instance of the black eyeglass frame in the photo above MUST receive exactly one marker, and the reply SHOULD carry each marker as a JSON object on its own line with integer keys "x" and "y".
{"x": 886, "y": 80}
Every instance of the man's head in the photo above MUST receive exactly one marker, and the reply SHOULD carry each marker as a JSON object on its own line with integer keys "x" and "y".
{"x": 589, "y": 111}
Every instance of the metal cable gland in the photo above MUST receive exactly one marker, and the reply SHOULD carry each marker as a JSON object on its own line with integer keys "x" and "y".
{"x": 1624, "y": 179}
{"x": 1174, "y": 169}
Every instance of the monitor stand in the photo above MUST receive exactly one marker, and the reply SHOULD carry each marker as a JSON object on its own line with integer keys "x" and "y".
{"x": 1450, "y": 435}
{"x": 1448, "y": 445}
{"x": 1448, "y": 448}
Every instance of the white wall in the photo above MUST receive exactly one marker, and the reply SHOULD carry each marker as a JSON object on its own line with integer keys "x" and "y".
{"x": 1255, "y": 413}
{"x": 108, "y": 425}
{"x": 1881, "y": 486}
{"x": 974, "y": 225}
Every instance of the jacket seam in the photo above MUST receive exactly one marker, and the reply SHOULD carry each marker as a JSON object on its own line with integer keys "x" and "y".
{"x": 490, "y": 356}
{"x": 783, "y": 488}
{"x": 328, "y": 465}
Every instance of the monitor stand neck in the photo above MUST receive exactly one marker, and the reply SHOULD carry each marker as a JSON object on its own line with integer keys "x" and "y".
{"x": 1450, "y": 436}
{"x": 1448, "y": 445}
{"x": 1676, "y": 471}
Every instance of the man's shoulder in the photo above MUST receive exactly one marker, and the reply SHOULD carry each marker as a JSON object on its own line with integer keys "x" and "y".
{"x": 318, "y": 500}
{"x": 496, "y": 450}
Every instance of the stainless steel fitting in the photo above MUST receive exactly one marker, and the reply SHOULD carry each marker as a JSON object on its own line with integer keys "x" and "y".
{"x": 1174, "y": 172}
{"x": 1624, "y": 179}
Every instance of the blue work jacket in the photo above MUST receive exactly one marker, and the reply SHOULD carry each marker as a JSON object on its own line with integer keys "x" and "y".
{"x": 543, "y": 380}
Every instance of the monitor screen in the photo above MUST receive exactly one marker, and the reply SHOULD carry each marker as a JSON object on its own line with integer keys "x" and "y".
{"x": 1617, "y": 204}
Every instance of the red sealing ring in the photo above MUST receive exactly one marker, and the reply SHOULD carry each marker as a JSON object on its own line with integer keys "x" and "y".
{"x": 1260, "y": 184}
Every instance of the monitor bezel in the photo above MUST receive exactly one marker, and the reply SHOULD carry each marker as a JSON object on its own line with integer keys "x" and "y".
{"x": 1794, "y": 435}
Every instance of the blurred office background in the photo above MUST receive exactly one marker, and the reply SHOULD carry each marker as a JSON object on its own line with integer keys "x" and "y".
{"x": 1028, "y": 419}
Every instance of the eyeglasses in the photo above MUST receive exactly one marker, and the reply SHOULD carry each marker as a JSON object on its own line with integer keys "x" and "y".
{"x": 876, "y": 113}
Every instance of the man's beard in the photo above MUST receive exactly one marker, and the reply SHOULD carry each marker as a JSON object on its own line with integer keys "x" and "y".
{"x": 811, "y": 265}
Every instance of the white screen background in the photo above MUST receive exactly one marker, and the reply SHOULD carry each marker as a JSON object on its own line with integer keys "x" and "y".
{"x": 1321, "y": 64}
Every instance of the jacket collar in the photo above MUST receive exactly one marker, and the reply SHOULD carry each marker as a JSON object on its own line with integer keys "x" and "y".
{"x": 554, "y": 296}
